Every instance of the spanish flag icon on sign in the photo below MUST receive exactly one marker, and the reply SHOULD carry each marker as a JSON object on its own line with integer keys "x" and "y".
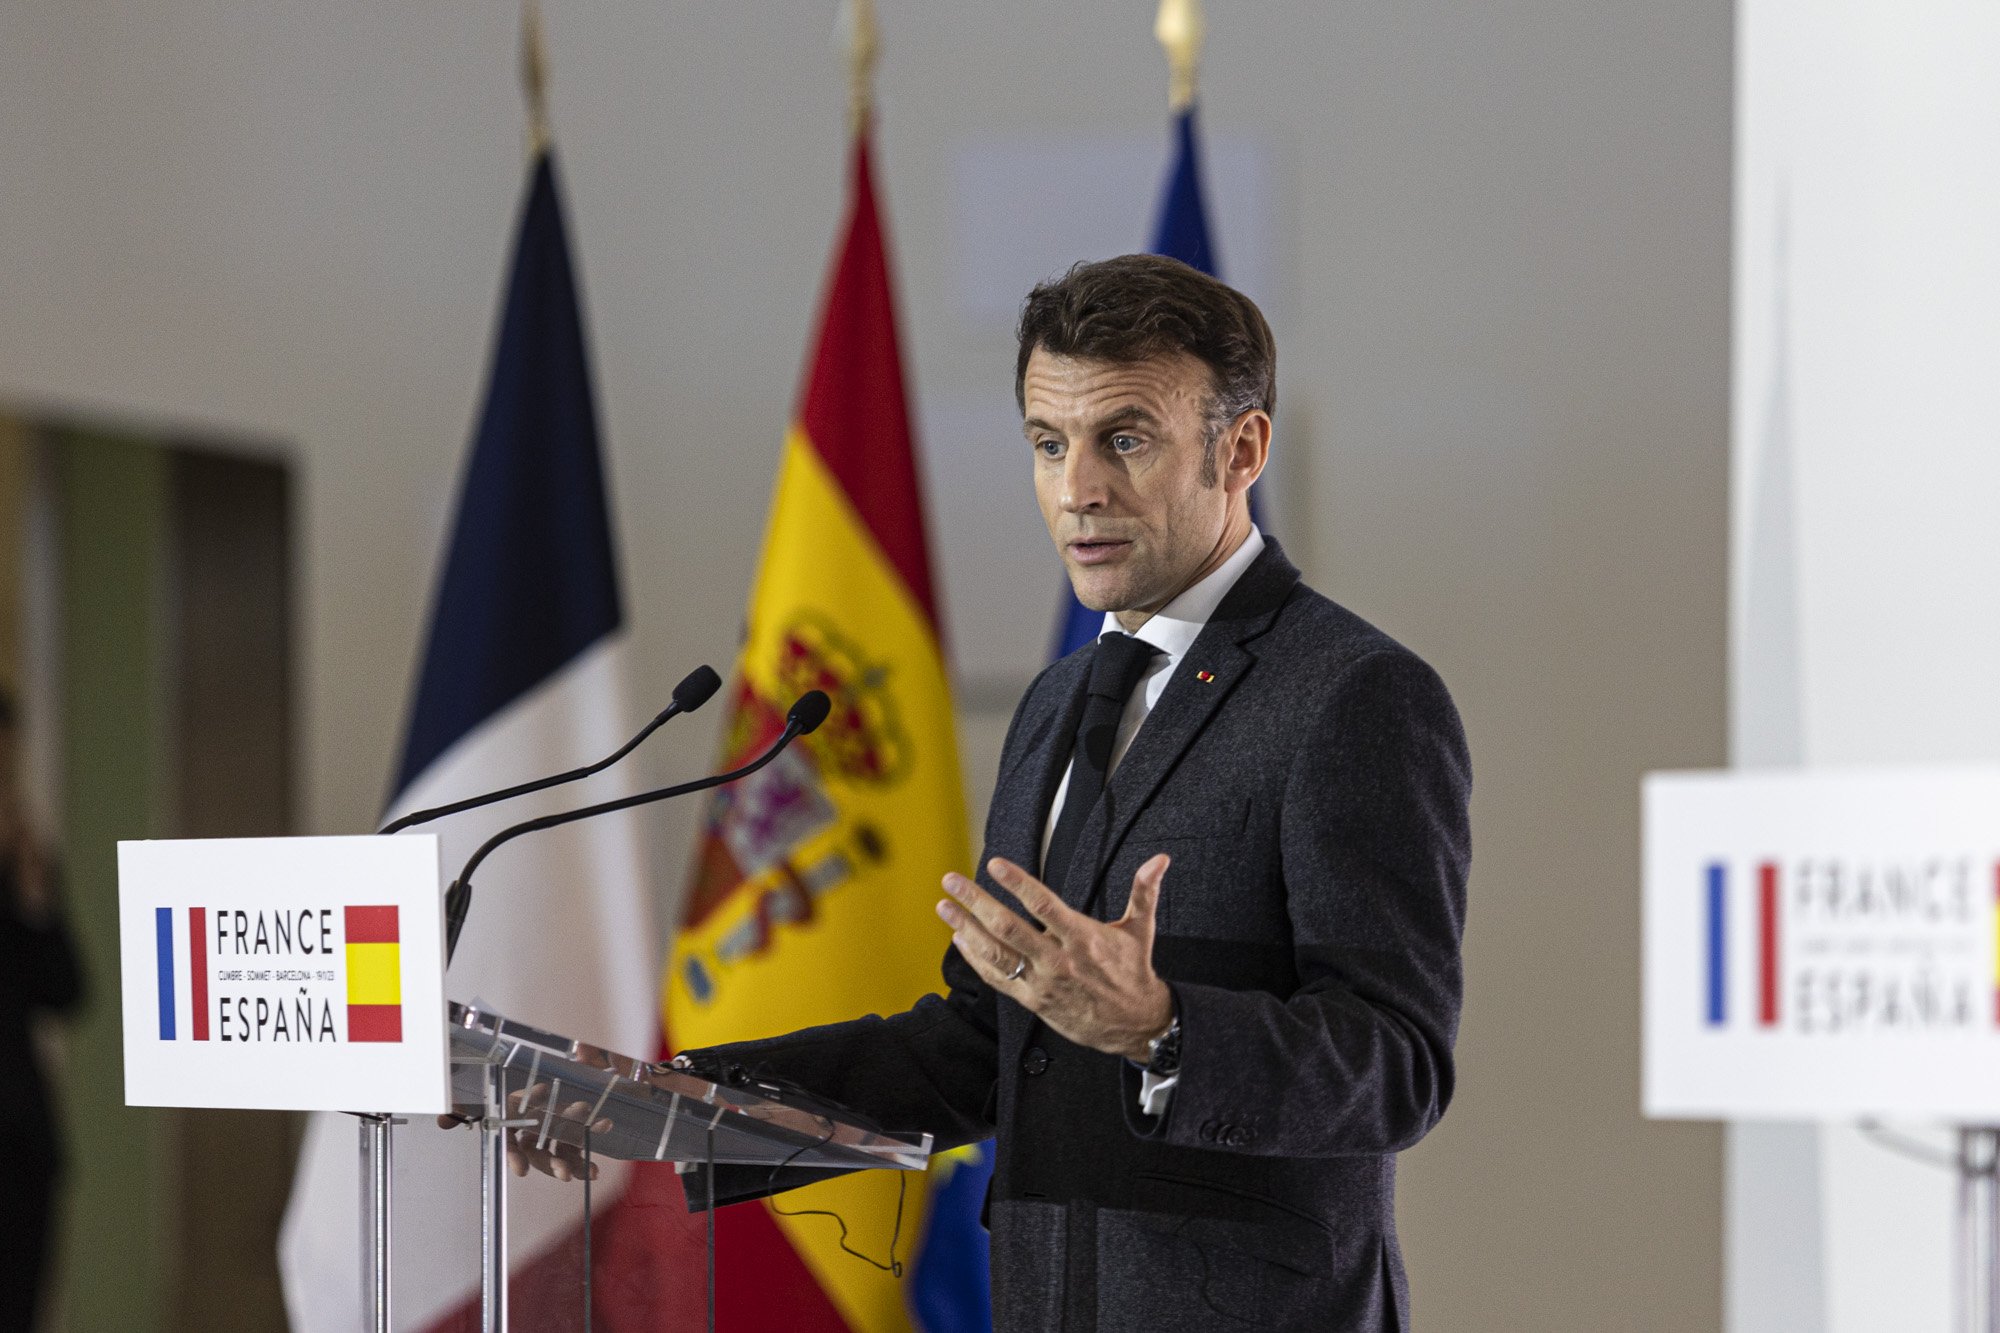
{"x": 374, "y": 975}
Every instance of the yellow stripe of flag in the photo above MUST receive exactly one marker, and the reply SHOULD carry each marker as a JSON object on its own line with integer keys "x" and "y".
{"x": 374, "y": 974}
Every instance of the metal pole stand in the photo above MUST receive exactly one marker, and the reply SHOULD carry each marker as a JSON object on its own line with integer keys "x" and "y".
{"x": 1978, "y": 1227}
{"x": 493, "y": 1127}
{"x": 378, "y": 1180}
{"x": 588, "y": 1167}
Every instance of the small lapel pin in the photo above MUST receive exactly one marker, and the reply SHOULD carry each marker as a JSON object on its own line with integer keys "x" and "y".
{"x": 1205, "y": 677}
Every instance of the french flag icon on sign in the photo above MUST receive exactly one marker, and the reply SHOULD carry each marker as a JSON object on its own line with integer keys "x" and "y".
{"x": 172, "y": 953}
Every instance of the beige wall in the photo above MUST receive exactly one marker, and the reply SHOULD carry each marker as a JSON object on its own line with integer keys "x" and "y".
{"x": 1499, "y": 281}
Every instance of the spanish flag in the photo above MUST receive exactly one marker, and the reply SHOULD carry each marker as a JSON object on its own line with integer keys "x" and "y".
{"x": 374, "y": 974}
{"x": 813, "y": 883}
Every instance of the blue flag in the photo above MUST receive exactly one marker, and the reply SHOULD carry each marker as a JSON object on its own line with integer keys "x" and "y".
{"x": 1182, "y": 234}
{"x": 1183, "y": 230}
{"x": 529, "y": 579}
{"x": 950, "y": 1289}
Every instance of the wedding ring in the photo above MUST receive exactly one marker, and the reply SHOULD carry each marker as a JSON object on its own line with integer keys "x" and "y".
{"x": 1020, "y": 969}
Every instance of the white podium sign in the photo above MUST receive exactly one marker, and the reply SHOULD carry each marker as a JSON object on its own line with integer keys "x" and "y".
{"x": 1822, "y": 945}
{"x": 283, "y": 973}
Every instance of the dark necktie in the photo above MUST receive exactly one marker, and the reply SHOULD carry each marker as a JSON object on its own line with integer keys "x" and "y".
{"x": 1116, "y": 666}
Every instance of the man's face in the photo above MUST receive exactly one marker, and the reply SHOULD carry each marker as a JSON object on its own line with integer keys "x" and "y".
{"x": 1119, "y": 474}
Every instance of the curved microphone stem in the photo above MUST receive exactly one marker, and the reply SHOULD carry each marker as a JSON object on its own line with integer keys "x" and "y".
{"x": 493, "y": 797}
{"x": 458, "y": 898}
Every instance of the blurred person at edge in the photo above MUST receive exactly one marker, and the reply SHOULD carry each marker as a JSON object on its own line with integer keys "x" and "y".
{"x": 39, "y": 975}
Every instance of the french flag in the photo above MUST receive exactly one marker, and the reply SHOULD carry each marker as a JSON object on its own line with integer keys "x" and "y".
{"x": 524, "y": 674}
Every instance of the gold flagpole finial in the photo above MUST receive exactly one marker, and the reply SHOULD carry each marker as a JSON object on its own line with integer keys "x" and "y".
{"x": 857, "y": 22}
{"x": 535, "y": 77}
{"x": 1179, "y": 30}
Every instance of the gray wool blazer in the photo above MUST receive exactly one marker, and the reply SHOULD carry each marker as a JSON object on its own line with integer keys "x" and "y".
{"x": 1313, "y": 796}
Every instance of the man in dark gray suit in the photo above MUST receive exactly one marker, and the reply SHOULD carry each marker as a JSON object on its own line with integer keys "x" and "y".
{"x": 1201, "y": 1034}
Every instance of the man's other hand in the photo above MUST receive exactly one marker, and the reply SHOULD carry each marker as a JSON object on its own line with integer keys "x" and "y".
{"x": 1090, "y": 980}
{"x": 561, "y": 1160}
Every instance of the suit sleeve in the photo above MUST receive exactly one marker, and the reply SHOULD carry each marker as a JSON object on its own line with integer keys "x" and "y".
{"x": 1375, "y": 848}
{"x": 931, "y": 1069}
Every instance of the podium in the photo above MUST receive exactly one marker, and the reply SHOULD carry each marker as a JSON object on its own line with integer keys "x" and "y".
{"x": 307, "y": 974}
{"x": 508, "y": 1076}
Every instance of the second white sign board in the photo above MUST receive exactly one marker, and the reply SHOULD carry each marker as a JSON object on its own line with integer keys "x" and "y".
{"x": 1821, "y": 945}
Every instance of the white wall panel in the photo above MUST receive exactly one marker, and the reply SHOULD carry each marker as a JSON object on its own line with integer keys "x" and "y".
{"x": 1866, "y": 558}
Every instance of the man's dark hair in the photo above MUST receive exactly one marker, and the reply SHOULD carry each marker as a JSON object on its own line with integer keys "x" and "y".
{"x": 1137, "y": 307}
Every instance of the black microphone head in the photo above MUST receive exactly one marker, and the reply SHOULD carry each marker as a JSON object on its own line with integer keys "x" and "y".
{"x": 809, "y": 712}
{"x": 699, "y": 687}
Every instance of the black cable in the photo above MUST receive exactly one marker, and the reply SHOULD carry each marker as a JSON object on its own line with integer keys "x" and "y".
{"x": 791, "y": 733}
{"x": 895, "y": 1266}
{"x": 416, "y": 817}
{"x": 804, "y": 718}
{"x": 707, "y": 1064}
{"x": 690, "y": 694}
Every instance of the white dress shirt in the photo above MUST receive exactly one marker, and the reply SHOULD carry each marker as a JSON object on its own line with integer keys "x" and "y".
{"x": 1173, "y": 630}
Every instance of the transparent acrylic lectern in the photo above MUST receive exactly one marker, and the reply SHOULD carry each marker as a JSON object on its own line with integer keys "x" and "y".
{"x": 507, "y": 1075}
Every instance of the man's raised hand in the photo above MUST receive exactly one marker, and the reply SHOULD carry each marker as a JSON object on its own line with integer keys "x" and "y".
{"x": 1090, "y": 980}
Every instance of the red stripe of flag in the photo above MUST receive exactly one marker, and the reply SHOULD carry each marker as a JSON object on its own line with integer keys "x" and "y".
{"x": 854, "y": 408}
{"x": 1767, "y": 943}
{"x": 374, "y": 1022}
{"x": 198, "y": 969}
{"x": 372, "y": 925}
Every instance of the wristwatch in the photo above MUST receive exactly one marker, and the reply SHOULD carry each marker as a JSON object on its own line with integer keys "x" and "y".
{"x": 1163, "y": 1053}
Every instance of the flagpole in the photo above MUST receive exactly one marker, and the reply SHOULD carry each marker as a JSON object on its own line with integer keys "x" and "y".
{"x": 1178, "y": 28}
{"x": 857, "y": 22}
{"x": 535, "y": 77}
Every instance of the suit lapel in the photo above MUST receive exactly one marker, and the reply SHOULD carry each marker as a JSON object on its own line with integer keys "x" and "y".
{"x": 1213, "y": 667}
{"x": 1041, "y": 757}
{"x": 1184, "y": 708}
{"x": 1043, "y": 753}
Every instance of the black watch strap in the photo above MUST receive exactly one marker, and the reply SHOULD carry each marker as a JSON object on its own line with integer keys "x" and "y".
{"x": 1164, "y": 1057}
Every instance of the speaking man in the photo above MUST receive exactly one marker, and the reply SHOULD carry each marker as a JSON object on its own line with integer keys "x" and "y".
{"x": 1207, "y": 982}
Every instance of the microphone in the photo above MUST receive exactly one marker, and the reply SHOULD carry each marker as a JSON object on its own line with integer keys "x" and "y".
{"x": 804, "y": 718}
{"x": 700, "y": 684}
